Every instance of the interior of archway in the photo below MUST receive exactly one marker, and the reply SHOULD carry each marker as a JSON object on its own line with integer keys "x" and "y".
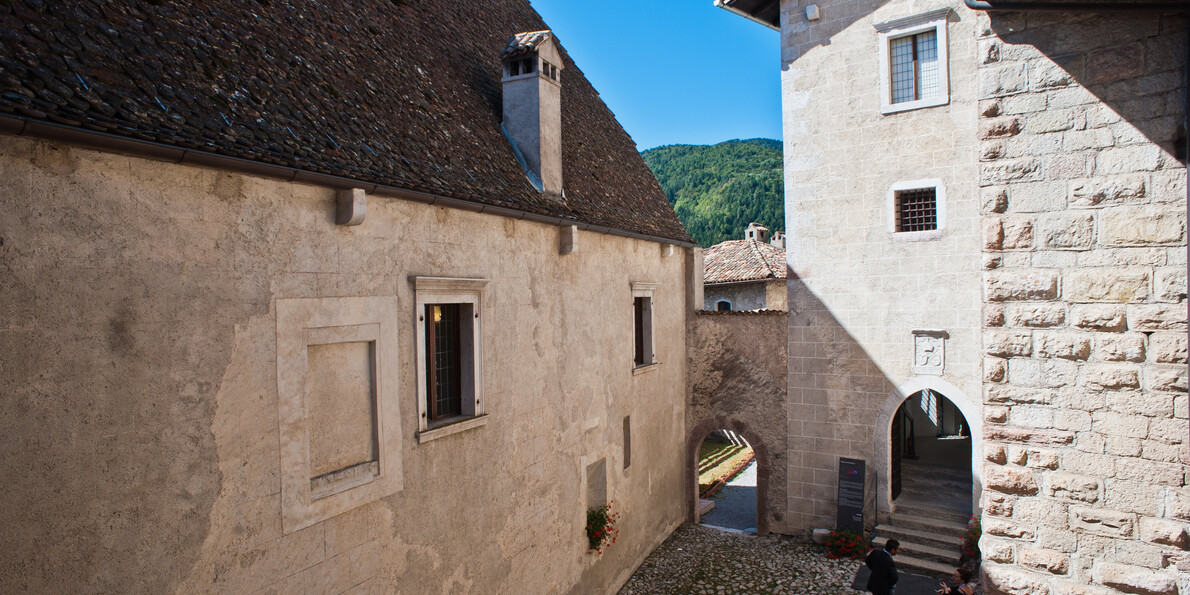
{"x": 727, "y": 482}
{"x": 932, "y": 441}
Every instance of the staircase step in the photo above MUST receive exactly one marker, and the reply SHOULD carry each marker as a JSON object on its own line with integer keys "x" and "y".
{"x": 916, "y": 550}
{"x": 923, "y": 538}
{"x": 928, "y": 568}
{"x": 928, "y": 523}
{"x": 957, "y": 511}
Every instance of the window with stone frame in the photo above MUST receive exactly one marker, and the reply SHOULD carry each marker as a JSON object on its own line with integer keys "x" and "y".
{"x": 916, "y": 209}
{"x": 642, "y": 325}
{"x": 449, "y": 355}
{"x": 913, "y": 62}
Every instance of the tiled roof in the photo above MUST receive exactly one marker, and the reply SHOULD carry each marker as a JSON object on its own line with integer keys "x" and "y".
{"x": 402, "y": 94}
{"x": 734, "y": 261}
{"x": 523, "y": 43}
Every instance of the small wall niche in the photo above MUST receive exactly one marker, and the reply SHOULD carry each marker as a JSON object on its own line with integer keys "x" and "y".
{"x": 627, "y": 441}
{"x": 597, "y": 484}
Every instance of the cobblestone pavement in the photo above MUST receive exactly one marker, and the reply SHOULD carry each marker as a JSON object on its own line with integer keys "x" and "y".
{"x": 696, "y": 560}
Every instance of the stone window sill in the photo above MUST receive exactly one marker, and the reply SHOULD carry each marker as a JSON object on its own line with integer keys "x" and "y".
{"x": 645, "y": 368}
{"x": 450, "y": 427}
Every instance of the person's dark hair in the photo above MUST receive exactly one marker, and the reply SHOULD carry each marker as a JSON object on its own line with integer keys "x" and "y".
{"x": 891, "y": 545}
{"x": 965, "y": 573}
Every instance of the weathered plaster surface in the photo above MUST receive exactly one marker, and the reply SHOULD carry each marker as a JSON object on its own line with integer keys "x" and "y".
{"x": 137, "y": 314}
{"x": 738, "y": 375}
{"x": 768, "y": 295}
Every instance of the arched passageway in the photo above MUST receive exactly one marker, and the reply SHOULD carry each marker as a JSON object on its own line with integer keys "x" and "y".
{"x": 727, "y": 482}
{"x": 749, "y": 496}
{"x": 930, "y": 448}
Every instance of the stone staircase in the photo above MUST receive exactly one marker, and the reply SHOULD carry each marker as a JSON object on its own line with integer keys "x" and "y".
{"x": 929, "y": 520}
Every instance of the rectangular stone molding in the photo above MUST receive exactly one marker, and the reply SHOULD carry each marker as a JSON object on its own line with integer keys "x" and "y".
{"x": 339, "y": 413}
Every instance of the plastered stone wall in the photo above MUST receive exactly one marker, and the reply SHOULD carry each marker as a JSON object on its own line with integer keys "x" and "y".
{"x": 856, "y": 290}
{"x": 140, "y": 412}
{"x": 738, "y": 382}
{"x": 1084, "y": 292}
{"x": 769, "y": 295}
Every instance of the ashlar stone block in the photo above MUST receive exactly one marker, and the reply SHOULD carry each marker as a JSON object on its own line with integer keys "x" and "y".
{"x": 1166, "y": 378}
{"x": 1008, "y": 343}
{"x": 1157, "y": 317}
{"x": 1043, "y": 559}
{"x": 1009, "y": 480}
{"x": 1035, "y": 436}
{"x": 1106, "y": 285}
{"x": 1075, "y": 488}
{"x": 1002, "y": 286}
{"x": 1097, "y": 317}
{"x": 1133, "y": 579}
{"x": 1142, "y": 226}
{"x": 1128, "y": 347}
{"x": 1065, "y": 345}
{"x": 1110, "y": 376}
{"x": 1100, "y": 521}
{"x": 1168, "y": 348}
{"x": 1011, "y": 580}
{"x": 1067, "y": 231}
{"x": 1114, "y": 190}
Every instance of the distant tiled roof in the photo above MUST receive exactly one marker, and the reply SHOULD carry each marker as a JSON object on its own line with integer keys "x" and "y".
{"x": 523, "y": 43}
{"x": 403, "y": 94}
{"x": 734, "y": 261}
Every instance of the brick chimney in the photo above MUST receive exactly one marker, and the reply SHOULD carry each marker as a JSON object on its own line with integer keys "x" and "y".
{"x": 533, "y": 106}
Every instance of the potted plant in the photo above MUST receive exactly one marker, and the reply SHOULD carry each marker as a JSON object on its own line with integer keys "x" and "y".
{"x": 842, "y": 543}
{"x": 601, "y": 528}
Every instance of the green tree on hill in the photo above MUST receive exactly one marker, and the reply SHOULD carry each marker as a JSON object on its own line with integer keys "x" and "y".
{"x": 717, "y": 190}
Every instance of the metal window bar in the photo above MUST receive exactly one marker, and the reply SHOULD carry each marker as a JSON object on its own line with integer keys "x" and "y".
{"x": 443, "y": 368}
{"x": 917, "y": 210}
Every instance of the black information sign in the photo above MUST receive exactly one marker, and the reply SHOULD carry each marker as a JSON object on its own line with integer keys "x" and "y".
{"x": 851, "y": 495}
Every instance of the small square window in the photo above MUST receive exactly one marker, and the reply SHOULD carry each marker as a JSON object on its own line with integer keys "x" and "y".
{"x": 913, "y": 62}
{"x": 449, "y": 355}
{"x": 917, "y": 210}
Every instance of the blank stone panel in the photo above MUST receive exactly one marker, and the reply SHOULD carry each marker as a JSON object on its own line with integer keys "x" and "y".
{"x": 341, "y": 397}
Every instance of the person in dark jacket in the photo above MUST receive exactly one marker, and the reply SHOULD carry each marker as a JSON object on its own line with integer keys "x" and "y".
{"x": 884, "y": 570}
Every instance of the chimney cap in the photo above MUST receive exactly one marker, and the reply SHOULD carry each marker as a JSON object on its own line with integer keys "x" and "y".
{"x": 525, "y": 43}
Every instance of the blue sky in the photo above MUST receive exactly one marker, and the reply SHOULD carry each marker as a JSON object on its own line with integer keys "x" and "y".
{"x": 674, "y": 71}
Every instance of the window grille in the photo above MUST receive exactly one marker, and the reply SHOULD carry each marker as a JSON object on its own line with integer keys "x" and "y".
{"x": 444, "y": 367}
{"x": 917, "y": 210}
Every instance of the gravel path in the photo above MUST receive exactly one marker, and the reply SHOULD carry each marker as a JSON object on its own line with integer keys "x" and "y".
{"x": 697, "y": 560}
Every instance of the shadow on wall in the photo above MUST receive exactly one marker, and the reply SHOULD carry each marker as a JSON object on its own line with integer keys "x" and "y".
{"x": 1134, "y": 63}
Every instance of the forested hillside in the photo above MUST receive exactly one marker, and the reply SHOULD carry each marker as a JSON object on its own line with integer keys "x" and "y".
{"x": 717, "y": 190}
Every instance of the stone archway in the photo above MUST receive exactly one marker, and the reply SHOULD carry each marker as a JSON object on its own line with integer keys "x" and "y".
{"x": 884, "y": 420}
{"x": 763, "y": 467}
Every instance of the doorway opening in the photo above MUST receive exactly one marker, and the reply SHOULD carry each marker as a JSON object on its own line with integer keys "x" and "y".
{"x": 727, "y": 482}
{"x": 931, "y": 457}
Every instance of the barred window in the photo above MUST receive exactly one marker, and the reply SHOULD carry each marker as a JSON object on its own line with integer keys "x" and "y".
{"x": 917, "y": 209}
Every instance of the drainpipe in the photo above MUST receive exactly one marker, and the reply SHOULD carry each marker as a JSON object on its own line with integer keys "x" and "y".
{"x": 1016, "y": 5}
{"x": 1158, "y": 7}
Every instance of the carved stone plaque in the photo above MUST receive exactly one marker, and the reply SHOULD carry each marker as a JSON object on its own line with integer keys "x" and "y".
{"x": 929, "y": 351}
